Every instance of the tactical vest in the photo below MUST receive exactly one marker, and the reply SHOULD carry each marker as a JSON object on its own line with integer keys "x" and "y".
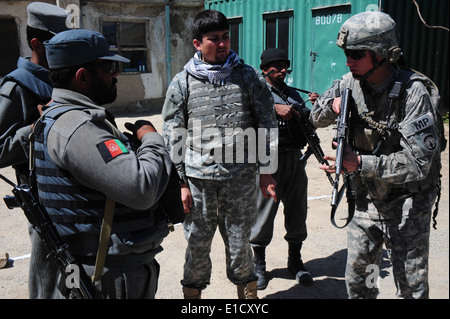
{"x": 75, "y": 208}
{"x": 216, "y": 117}
{"x": 381, "y": 135}
{"x": 41, "y": 89}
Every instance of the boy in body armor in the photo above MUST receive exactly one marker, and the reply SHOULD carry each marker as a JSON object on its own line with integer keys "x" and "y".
{"x": 216, "y": 91}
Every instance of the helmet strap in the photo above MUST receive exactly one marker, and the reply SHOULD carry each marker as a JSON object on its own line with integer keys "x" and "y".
{"x": 376, "y": 64}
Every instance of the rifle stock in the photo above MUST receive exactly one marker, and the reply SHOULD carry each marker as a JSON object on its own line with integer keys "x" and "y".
{"x": 57, "y": 249}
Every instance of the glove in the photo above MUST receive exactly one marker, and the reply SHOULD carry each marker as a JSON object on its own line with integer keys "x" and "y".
{"x": 135, "y": 142}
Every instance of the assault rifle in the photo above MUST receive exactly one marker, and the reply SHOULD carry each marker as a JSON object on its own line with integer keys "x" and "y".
{"x": 308, "y": 131}
{"x": 58, "y": 250}
{"x": 341, "y": 140}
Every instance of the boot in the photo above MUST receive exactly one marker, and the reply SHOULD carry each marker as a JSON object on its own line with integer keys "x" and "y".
{"x": 296, "y": 267}
{"x": 3, "y": 259}
{"x": 248, "y": 291}
{"x": 260, "y": 267}
{"x": 192, "y": 293}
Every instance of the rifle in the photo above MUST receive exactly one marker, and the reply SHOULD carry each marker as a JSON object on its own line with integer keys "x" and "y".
{"x": 313, "y": 140}
{"x": 58, "y": 250}
{"x": 308, "y": 131}
{"x": 341, "y": 139}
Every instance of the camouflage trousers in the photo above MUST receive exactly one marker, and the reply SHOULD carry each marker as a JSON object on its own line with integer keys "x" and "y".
{"x": 403, "y": 225}
{"x": 231, "y": 206}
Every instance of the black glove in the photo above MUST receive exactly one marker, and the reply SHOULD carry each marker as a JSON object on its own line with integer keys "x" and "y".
{"x": 135, "y": 142}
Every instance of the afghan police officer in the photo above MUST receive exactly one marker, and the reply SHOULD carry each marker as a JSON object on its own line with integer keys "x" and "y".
{"x": 83, "y": 162}
{"x": 292, "y": 182}
{"x": 211, "y": 103}
{"x": 396, "y": 139}
{"x": 28, "y": 86}
{"x": 20, "y": 94}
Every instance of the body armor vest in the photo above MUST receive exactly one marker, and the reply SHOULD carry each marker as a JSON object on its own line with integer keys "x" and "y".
{"x": 381, "y": 135}
{"x": 75, "y": 208}
{"x": 218, "y": 121}
{"x": 38, "y": 84}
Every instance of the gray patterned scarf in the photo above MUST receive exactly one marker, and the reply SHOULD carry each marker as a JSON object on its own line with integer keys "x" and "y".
{"x": 217, "y": 74}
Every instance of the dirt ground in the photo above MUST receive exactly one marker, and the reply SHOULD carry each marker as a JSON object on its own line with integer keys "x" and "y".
{"x": 324, "y": 251}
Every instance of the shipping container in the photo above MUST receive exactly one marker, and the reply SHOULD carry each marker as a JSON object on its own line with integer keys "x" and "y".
{"x": 307, "y": 31}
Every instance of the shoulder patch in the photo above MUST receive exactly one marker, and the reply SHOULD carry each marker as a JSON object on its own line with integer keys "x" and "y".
{"x": 111, "y": 149}
{"x": 422, "y": 123}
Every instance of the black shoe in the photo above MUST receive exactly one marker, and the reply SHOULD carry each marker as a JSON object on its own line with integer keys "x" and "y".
{"x": 304, "y": 277}
{"x": 296, "y": 267}
{"x": 260, "y": 267}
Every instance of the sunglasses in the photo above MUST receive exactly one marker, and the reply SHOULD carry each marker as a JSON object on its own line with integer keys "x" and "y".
{"x": 355, "y": 54}
{"x": 111, "y": 67}
{"x": 280, "y": 65}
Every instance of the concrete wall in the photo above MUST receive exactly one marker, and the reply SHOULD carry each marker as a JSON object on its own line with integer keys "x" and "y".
{"x": 136, "y": 91}
{"x": 144, "y": 91}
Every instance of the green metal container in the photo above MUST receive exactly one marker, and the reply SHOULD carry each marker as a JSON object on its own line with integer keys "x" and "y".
{"x": 307, "y": 30}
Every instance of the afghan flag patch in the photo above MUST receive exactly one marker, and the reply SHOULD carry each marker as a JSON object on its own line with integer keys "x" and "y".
{"x": 111, "y": 149}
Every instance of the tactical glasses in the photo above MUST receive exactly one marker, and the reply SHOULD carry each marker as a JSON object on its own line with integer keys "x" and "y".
{"x": 108, "y": 66}
{"x": 355, "y": 54}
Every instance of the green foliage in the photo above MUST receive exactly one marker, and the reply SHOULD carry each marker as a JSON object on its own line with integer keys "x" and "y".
{"x": 445, "y": 118}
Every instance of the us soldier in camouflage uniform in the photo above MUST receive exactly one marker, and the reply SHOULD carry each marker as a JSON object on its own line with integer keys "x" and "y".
{"x": 395, "y": 140}
{"x": 209, "y": 108}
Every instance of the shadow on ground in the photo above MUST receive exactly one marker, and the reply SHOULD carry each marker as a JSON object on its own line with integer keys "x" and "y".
{"x": 329, "y": 278}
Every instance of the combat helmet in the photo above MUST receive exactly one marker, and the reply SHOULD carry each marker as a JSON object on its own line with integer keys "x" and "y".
{"x": 375, "y": 32}
{"x": 372, "y": 30}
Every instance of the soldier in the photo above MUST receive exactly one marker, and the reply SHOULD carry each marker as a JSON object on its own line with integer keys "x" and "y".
{"x": 217, "y": 92}
{"x": 20, "y": 94}
{"x": 292, "y": 182}
{"x": 395, "y": 140}
{"x": 85, "y": 169}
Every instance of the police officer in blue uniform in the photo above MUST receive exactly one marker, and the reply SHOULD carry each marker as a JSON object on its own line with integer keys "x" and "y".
{"x": 25, "y": 88}
{"x": 21, "y": 92}
{"x": 83, "y": 162}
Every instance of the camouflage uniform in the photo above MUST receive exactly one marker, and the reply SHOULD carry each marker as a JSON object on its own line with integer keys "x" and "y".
{"x": 219, "y": 198}
{"x": 398, "y": 138}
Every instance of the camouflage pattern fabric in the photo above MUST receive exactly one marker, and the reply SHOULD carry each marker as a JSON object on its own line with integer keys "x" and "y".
{"x": 219, "y": 199}
{"x": 370, "y": 30}
{"x": 388, "y": 170}
{"x": 397, "y": 185}
{"x": 246, "y": 90}
{"x": 232, "y": 208}
{"x": 403, "y": 225}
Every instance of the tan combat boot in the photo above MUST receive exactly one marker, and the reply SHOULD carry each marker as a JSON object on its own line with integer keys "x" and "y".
{"x": 3, "y": 259}
{"x": 249, "y": 291}
{"x": 192, "y": 293}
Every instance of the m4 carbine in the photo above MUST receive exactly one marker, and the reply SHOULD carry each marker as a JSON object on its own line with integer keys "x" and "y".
{"x": 56, "y": 248}
{"x": 341, "y": 138}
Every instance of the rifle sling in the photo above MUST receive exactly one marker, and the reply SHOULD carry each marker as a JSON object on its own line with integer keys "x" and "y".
{"x": 351, "y": 206}
{"x": 103, "y": 244}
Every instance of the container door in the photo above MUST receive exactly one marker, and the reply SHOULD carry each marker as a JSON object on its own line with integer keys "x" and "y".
{"x": 327, "y": 59}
